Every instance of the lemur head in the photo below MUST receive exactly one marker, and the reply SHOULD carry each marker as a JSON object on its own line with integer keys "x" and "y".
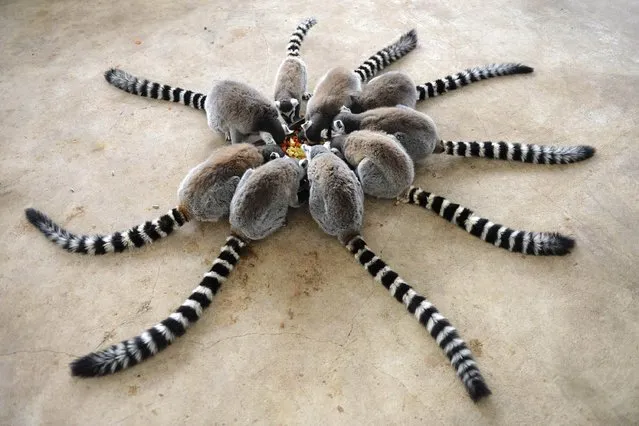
{"x": 272, "y": 130}
{"x": 316, "y": 128}
{"x": 270, "y": 152}
{"x": 313, "y": 151}
{"x": 289, "y": 109}
{"x": 345, "y": 122}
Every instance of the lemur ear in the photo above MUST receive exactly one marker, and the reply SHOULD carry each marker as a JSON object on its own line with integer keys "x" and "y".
{"x": 338, "y": 125}
{"x": 324, "y": 134}
{"x": 277, "y": 104}
{"x": 327, "y": 145}
{"x": 336, "y": 151}
{"x": 294, "y": 102}
{"x": 344, "y": 108}
{"x": 274, "y": 155}
{"x": 304, "y": 163}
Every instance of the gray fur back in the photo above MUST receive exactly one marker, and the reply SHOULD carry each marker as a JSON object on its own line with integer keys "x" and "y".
{"x": 337, "y": 88}
{"x": 388, "y": 90}
{"x": 236, "y": 105}
{"x": 206, "y": 191}
{"x": 291, "y": 80}
{"x": 382, "y": 164}
{"x": 263, "y": 197}
{"x": 336, "y": 200}
{"x": 416, "y": 131}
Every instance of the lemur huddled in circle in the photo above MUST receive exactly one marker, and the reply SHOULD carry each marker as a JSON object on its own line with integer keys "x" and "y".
{"x": 291, "y": 78}
{"x": 364, "y": 141}
{"x": 205, "y": 194}
{"x": 418, "y": 135}
{"x": 336, "y": 203}
{"x": 256, "y": 206}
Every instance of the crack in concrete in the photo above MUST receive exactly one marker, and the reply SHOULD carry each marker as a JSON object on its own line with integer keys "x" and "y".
{"x": 36, "y": 351}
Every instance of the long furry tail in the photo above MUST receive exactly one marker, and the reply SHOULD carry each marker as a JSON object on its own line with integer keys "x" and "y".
{"x": 295, "y": 42}
{"x": 117, "y": 242}
{"x": 133, "y": 351}
{"x": 535, "y": 243}
{"x": 525, "y": 153}
{"x": 149, "y": 89}
{"x": 470, "y": 75}
{"x": 439, "y": 327}
{"x": 388, "y": 55}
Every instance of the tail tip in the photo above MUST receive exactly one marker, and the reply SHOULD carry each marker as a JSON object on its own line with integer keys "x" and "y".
{"x": 34, "y": 216}
{"x": 410, "y": 38}
{"x": 562, "y": 245}
{"x": 567, "y": 243}
{"x": 83, "y": 367}
{"x": 108, "y": 74}
{"x": 523, "y": 69}
{"x": 477, "y": 389}
{"x": 587, "y": 151}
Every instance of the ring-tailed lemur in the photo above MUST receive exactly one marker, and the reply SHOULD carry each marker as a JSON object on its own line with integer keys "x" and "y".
{"x": 535, "y": 243}
{"x": 387, "y": 90}
{"x": 418, "y": 135}
{"x": 262, "y": 198}
{"x": 337, "y": 88}
{"x": 396, "y": 87}
{"x": 383, "y": 58}
{"x": 380, "y": 162}
{"x": 232, "y": 108}
{"x": 414, "y": 130}
{"x": 205, "y": 194}
{"x": 291, "y": 80}
{"x": 336, "y": 204}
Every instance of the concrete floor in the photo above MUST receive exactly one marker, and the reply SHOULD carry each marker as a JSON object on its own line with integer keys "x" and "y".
{"x": 301, "y": 334}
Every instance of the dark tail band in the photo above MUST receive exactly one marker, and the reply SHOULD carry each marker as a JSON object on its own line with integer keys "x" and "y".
{"x": 525, "y": 153}
{"x": 295, "y": 42}
{"x": 439, "y": 327}
{"x": 133, "y": 351}
{"x": 117, "y": 242}
{"x": 535, "y": 243}
{"x": 471, "y": 75}
{"x": 149, "y": 89}
{"x": 388, "y": 55}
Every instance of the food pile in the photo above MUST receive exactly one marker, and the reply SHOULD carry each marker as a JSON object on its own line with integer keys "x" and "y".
{"x": 293, "y": 147}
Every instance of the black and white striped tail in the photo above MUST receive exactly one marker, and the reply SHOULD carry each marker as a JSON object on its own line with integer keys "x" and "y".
{"x": 383, "y": 58}
{"x": 535, "y": 243}
{"x": 471, "y": 75}
{"x": 133, "y": 351}
{"x": 149, "y": 89}
{"x": 117, "y": 242}
{"x": 525, "y": 153}
{"x": 295, "y": 42}
{"x": 439, "y": 327}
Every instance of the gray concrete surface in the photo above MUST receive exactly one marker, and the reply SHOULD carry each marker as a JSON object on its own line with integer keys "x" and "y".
{"x": 301, "y": 334}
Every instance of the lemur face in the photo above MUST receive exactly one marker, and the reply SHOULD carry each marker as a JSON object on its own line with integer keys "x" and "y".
{"x": 316, "y": 128}
{"x": 338, "y": 127}
{"x": 289, "y": 109}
